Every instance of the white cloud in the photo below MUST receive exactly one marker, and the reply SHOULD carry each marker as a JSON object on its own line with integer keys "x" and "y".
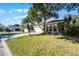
{"x": 19, "y": 17}
{"x": 26, "y": 10}
{"x": 19, "y": 10}
{"x": 22, "y": 10}
{"x": 10, "y": 11}
{"x": 15, "y": 18}
{"x": 2, "y": 11}
{"x": 7, "y": 19}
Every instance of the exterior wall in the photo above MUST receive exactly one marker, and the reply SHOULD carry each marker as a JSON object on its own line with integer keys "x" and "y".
{"x": 25, "y": 30}
{"x": 50, "y": 28}
{"x": 38, "y": 29}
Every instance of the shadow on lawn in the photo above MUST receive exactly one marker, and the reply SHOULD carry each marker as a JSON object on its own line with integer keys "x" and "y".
{"x": 73, "y": 39}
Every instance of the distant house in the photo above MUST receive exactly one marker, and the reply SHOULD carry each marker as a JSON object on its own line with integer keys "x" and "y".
{"x": 15, "y": 27}
{"x": 10, "y": 28}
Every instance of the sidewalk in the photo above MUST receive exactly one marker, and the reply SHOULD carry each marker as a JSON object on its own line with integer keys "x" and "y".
{"x": 4, "y": 50}
{"x": 20, "y": 35}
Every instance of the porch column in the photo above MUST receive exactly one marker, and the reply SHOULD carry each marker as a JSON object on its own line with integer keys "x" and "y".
{"x": 52, "y": 29}
{"x": 57, "y": 30}
{"x": 48, "y": 28}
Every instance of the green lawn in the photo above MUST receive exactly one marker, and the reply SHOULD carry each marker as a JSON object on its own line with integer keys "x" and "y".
{"x": 43, "y": 45}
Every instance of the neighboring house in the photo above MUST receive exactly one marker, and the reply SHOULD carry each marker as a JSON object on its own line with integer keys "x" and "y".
{"x": 15, "y": 27}
{"x": 10, "y": 28}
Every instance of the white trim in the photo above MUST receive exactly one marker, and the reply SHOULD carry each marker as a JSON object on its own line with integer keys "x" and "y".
{"x": 52, "y": 29}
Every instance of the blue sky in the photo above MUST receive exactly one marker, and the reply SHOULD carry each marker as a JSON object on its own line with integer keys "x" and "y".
{"x": 62, "y": 13}
{"x": 13, "y": 13}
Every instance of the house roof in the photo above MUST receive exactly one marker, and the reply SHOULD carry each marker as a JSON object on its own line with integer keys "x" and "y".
{"x": 52, "y": 19}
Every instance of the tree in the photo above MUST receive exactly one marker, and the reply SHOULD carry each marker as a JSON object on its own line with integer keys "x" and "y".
{"x": 25, "y": 22}
{"x": 67, "y": 20}
{"x": 42, "y": 11}
{"x": 74, "y": 21}
{"x": 1, "y": 27}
